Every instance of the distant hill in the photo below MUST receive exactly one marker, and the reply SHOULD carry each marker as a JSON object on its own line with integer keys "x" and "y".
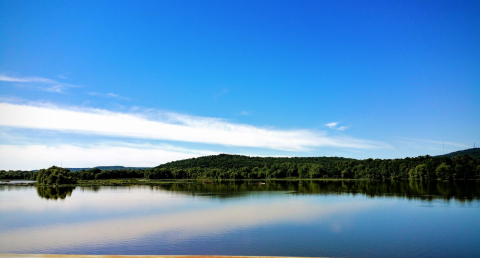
{"x": 473, "y": 152}
{"x": 227, "y": 161}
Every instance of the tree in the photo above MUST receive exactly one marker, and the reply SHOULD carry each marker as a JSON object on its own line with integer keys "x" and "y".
{"x": 55, "y": 176}
{"x": 443, "y": 171}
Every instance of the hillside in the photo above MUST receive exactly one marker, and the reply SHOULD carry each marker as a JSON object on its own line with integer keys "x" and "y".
{"x": 227, "y": 161}
{"x": 453, "y": 166}
{"x": 473, "y": 152}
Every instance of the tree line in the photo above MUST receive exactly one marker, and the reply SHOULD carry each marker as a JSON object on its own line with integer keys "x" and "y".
{"x": 18, "y": 174}
{"x": 225, "y": 166}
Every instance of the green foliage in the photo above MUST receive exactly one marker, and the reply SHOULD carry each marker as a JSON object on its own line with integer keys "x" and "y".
{"x": 97, "y": 173}
{"x": 443, "y": 171}
{"x": 226, "y": 161}
{"x": 18, "y": 174}
{"x": 420, "y": 172}
{"x": 241, "y": 167}
{"x": 223, "y": 166}
{"x": 55, "y": 176}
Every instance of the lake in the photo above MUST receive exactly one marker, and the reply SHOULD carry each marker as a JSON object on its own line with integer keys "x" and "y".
{"x": 278, "y": 218}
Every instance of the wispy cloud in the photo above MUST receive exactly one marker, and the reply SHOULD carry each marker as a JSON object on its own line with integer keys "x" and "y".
{"x": 25, "y": 79}
{"x": 440, "y": 147}
{"x": 333, "y": 125}
{"x": 108, "y": 95}
{"x": 173, "y": 127}
{"x": 44, "y": 84}
{"x": 244, "y": 113}
{"x": 437, "y": 142}
{"x": 223, "y": 92}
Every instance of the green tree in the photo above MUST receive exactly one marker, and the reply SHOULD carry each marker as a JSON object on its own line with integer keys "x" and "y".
{"x": 55, "y": 176}
{"x": 443, "y": 171}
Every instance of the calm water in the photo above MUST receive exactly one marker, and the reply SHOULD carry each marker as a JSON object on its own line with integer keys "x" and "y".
{"x": 307, "y": 218}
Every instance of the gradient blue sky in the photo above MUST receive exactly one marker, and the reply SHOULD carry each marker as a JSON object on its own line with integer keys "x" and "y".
{"x": 139, "y": 83}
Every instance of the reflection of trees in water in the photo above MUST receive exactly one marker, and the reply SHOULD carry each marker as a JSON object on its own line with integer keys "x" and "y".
{"x": 54, "y": 193}
{"x": 420, "y": 190}
{"x": 423, "y": 190}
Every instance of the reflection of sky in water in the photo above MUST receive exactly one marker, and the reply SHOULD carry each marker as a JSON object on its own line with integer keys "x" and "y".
{"x": 139, "y": 220}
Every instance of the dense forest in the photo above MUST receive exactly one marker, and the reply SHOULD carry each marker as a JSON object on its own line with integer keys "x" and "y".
{"x": 18, "y": 175}
{"x": 225, "y": 166}
{"x": 97, "y": 173}
{"x": 238, "y": 161}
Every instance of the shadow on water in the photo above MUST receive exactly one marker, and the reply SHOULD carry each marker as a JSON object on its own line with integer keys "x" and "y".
{"x": 54, "y": 193}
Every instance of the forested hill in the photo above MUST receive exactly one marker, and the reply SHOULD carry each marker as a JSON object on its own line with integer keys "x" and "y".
{"x": 227, "y": 161}
{"x": 473, "y": 152}
{"x": 224, "y": 166}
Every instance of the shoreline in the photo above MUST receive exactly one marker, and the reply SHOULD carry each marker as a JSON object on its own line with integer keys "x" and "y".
{"x": 154, "y": 182}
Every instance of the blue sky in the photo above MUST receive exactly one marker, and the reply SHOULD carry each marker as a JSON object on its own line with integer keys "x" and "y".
{"x": 139, "y": 83}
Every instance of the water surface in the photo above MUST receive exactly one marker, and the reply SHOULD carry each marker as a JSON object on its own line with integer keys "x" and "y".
{"x": 292, "y": 218}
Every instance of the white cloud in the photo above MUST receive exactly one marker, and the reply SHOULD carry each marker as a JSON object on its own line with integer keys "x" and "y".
{"x": 25, "y": 79}
{"x": 51, "y": 85}
{"x": 175, "y": 127}
{"x": 332, "y": 125}
{"x": 108, "y": 95}
{"x": 29, "y": 157}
